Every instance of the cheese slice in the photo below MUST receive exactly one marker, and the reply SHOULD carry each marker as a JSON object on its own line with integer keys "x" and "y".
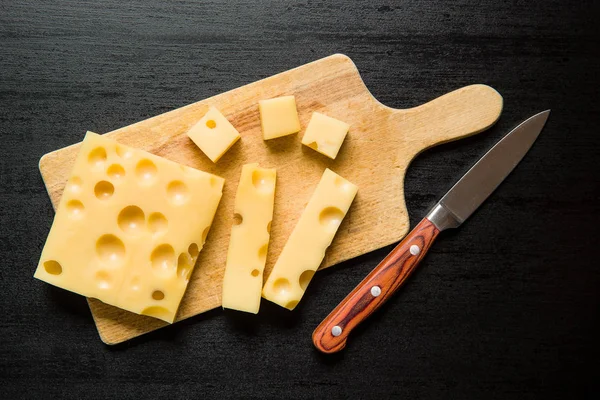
{"x": 278, "y": 117}
{"x": 129, "y": 227}
{"x": 325, "y": 134}
{"x": 214, "y": 134}
{"x": 249, "y": 242}
{"x": 305, "y": 248}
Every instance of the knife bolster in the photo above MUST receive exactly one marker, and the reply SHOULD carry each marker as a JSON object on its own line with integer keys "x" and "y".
{"x": 443, "y": 218}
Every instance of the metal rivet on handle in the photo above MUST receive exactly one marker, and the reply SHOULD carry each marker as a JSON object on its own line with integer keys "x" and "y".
{"x": 415, "y": 250}
{"x": 336, "y": 331}
{"x": 375, "y": 291}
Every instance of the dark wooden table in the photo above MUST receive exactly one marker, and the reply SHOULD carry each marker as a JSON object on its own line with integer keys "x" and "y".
{"x": 506, "y": 307}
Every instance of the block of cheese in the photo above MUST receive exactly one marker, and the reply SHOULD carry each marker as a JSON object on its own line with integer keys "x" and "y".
{"x": 249, "y": 240}
{"x": 129, "y": 227}
{"x": 325, "y": 134}
{"x": 214, "y": 134}
{"x": 305, "y": 248}
{"x": 278, "y": 117}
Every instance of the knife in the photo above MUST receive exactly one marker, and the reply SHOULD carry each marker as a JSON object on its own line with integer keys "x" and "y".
{"x": 450, "y": 212}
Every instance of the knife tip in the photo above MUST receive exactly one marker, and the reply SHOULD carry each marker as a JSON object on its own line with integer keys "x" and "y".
{"x": 542, "y": 115}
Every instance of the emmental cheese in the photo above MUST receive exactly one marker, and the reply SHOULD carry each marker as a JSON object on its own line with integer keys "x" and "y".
{"x": 214, "y": 134}
{"x": 129, "y": 228}
{"x": 305, "y": 248}
{"x": 278, "y": 117}
{"x": 325, "y": 134}
{"x": 249, "y": 242}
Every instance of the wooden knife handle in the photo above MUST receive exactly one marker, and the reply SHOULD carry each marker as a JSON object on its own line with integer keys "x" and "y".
{"x": 331, "y": 335}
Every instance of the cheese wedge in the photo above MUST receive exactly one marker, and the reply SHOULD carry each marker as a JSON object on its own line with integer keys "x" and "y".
{"x": 214, "y": 134}
{"x": 305, "y": 248}
{"x": 129, "y": 228}
{"x": 325, "y": 134}
{"x": 249, "y": 242}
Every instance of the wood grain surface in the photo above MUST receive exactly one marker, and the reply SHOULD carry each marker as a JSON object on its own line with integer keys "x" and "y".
{"x": 387, "y": 278}
{"x": 379, "y": 147}
{"x": 506, "y": 307}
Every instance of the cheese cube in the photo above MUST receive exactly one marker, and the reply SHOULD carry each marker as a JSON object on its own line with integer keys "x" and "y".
{"x": 278, "y": 117}
{"x": 249, "y": 240}
{"x": 129, "y": 227}
{"x": 305, "y": 248}
{"x": 214, "y": 134}
{"x": 325, "y": 134}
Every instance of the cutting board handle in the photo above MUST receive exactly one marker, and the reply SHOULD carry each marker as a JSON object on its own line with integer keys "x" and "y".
{"x": 463, "y": 112}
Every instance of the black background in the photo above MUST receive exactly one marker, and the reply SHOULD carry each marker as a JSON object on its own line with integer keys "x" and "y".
{"x": 505, "y": 307}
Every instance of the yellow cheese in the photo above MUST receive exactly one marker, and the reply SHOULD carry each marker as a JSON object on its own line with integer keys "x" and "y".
{"x": 129, "y": 227}
{"x": 305, "y": 248}
{"x": 278, "y": 117}
{"x": 214, "y": 134}
{"x": 249, "y": 240}
{"x": 325, "y": 134}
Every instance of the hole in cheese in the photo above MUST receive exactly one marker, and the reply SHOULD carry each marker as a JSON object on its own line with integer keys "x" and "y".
{"x": 313, "y": 145}
{"x": 263, "y": 181}
{"x": 103, "y": 279}
{"x": 184, "y": 266}
{"x": 211, "y": 124}
{"x": 269, "y": 227}
{"x": 331, "y": 217}
{"x": 104, "y": 190}
{"x": 262, "y": 253}
{"x": 291, "y": 305}
{"x": 237, "y": 219}
{"x": 281, "y": 286}
{"x": 123, "y": 152}
{"x": 116, "y": 171}
{"x": 255, "y": 272}
{"x": 97, "y": 157}
{"x": 177, "y": 192}
{"x": 157, "y": 223}
{"x": 131, "y": 220}
{"x": 158, "y": 295}
{"x": 205, "y": 234}
{"x": 110, "y": 250}
{"x": 75, "y": 209}
{"x": 157, "y": 312}
{"x": 53, "y": 267}
{"x": 163, "y": 259}
{"x": 75, "y": 184}
{"x": 342, "y": 183}
{"x": 146, "y": 171}
{"x": 193, "y": 249}
{"x": 135, "y": 283}
{"x": 305, "y": 278}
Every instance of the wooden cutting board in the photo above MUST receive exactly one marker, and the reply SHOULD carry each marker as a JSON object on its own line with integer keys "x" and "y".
{"x": 379, "y": 147}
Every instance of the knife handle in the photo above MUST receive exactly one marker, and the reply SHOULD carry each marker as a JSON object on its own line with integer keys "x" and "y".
{"x": 331, "y": 334}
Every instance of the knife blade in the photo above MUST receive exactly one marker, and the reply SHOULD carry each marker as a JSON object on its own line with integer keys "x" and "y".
{"x": 450, "y": 212}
